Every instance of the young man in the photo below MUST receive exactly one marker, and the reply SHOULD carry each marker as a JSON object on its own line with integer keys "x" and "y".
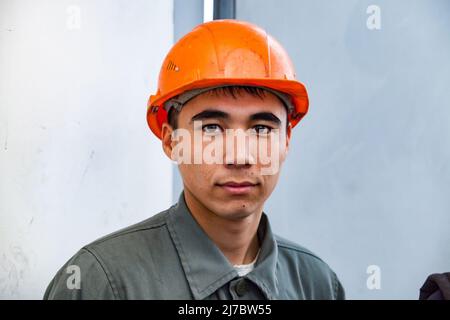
{"x": 224, "y": 110}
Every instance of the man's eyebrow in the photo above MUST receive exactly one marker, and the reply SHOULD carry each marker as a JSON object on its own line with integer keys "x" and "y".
{"x": 208, "y": 114}
{"x": 267, "y": 116}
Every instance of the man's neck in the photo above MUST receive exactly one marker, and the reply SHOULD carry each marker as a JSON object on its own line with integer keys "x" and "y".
{"x": 244, "y": 245}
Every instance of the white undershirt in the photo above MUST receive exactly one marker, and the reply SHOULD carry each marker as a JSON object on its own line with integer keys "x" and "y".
{"x": 243, "y": 269}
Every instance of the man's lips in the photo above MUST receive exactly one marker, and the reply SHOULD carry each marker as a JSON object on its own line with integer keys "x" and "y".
{"x": 234, "y": 187}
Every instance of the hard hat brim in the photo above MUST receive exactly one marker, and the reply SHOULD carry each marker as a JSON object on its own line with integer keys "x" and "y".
{"x": 156, "y": 115}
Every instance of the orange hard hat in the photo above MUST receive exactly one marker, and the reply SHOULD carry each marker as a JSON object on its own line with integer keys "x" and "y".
{"x": 221, "y": 53}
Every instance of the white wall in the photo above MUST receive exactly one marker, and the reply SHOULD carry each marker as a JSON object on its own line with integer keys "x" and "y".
{"x": 77, "y": 159}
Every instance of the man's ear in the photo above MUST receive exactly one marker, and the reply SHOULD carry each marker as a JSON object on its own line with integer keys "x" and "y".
{"x": 166, "y": 139}
{"x": 288, "y": 136}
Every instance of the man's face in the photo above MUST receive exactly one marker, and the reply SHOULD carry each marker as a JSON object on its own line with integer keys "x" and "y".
{"x": 239, "y": 185}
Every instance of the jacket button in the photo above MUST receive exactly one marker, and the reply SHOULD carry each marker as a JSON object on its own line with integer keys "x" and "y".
{"x": 241, "y": 288}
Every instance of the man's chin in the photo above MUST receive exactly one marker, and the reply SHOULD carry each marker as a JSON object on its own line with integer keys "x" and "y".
{"x": 237, "y": 212}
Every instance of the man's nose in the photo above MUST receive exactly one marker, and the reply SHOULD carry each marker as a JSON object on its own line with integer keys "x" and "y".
{"x": 241, "y": 153}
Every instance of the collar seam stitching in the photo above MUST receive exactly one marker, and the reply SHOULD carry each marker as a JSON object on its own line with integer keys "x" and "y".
{"x": 183, "y": 256}
{"x": 218, "y": 280}
{"x": 262, "y": 284}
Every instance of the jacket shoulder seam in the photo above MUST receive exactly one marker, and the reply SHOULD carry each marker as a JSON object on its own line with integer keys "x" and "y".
{"x": 107, "y": 274}
{"x": 287, "y": 246}
{"x": 335, "y": 284}
{"x": 125, "y": 232}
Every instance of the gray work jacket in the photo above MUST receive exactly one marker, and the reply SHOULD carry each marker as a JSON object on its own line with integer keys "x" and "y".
{"x": 169, "y": 256}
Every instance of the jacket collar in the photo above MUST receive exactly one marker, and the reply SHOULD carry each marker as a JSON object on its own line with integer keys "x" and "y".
{"x": 205, "y": 266}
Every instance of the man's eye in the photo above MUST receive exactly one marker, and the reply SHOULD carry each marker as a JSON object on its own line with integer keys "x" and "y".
{"x": 211, "y": 128}
{"x": 261, "y": 129}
